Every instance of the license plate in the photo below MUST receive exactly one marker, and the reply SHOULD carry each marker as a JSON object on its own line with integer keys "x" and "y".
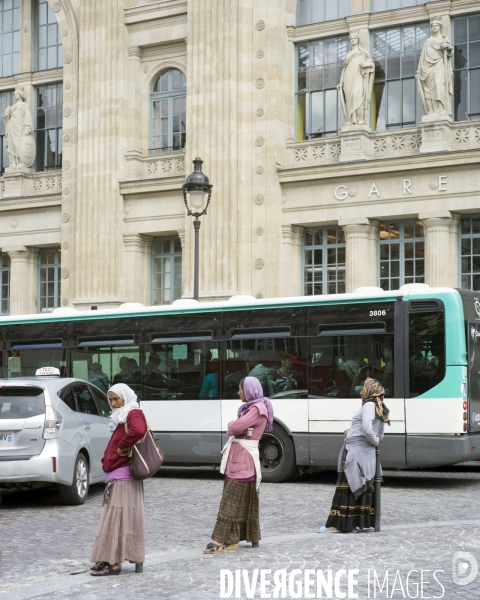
{"x": 6, "y": 438}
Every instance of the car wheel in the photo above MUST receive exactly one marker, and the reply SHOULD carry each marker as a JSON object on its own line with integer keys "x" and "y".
{"x": 76, "y": 493}
{"x": 277, "y": 456}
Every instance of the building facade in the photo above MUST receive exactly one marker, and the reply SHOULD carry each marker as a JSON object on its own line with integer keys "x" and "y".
{"x": 125, "y": 93}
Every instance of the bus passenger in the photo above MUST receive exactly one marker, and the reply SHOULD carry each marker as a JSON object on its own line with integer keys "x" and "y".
{"x": 121, "y": 533}
{"x": 210, "y": 383}
{"x": 345, "y": 376}
{"x": 282, "y": 378}
{"x": 353, "y": 503}
{"x": 386, "y": 378}
{"x": 124, "y": 372}
{"x": 98, "y": 377}
{"x": 238, "y": 515}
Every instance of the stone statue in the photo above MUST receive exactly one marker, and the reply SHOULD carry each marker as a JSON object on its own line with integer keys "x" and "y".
{"x": 356, "y": 82}
{"x": 434, "y": 75}
{"x": 19, "y": 132}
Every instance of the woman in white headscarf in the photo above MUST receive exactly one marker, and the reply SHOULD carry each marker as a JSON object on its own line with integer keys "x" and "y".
{"x": 121, "y": 534}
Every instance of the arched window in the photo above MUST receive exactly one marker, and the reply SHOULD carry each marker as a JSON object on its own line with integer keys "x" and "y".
{"x": 168, "y": 112}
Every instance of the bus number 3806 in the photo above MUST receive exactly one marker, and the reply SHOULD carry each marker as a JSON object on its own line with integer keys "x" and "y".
{"x": 378, "y": 313}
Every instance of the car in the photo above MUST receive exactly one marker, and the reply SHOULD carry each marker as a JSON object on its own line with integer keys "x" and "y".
{"x": 52, "y": 431}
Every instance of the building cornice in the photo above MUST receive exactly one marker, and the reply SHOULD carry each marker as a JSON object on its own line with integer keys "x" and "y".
{"x": 383, "y": 166}
{"x": 153, "y": 185}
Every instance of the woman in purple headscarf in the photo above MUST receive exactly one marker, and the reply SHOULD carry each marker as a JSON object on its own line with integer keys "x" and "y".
{"x": 238, "y": 515}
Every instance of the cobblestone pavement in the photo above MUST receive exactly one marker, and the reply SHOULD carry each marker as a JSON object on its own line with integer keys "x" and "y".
{"x": 427, "y": 517}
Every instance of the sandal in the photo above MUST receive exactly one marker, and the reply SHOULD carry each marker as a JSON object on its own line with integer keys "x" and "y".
{"x": 228, "y": 546}
{"x": 108, "y": 570}
{"x": 213, "y": 548}
{"x": 98, "y": 566}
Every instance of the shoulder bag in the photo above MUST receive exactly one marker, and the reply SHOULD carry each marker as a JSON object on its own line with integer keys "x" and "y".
{"x": 146, "y": 457}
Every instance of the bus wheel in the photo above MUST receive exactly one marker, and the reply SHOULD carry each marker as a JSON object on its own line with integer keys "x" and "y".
{"x": 277, "y": 456}
{"x": 76, "y": 493}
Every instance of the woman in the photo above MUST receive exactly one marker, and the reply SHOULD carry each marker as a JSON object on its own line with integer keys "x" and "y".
{"x": 282, "y": 379}
{"x": 209, "y": 387}
{"x": 354, "y": 499}
{"x": 356, "y": 82}
{"x": 121, "y": 534}
{"x": 238, "y": 515}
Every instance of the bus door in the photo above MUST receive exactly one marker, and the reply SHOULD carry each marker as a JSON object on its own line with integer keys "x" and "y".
{"x": 181, "y": 395}
{"x": 474, "y": 375}
{"x": 342, "y": 355}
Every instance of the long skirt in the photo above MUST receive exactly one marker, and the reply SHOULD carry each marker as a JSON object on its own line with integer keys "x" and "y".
{"x": 238, "y": 515}
{"x": 348, "y": 512}
{"x": 121, "y": 533}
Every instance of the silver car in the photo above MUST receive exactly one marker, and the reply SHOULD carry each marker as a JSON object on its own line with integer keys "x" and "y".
{"x": 52, "y": 430}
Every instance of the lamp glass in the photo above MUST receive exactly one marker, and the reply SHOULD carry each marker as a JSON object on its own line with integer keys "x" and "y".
{"x": 197, "y": 198}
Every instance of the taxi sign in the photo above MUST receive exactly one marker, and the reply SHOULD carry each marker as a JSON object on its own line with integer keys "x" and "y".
{"x": 47, "y": 372}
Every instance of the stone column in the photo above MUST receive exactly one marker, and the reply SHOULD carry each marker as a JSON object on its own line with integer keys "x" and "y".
{"x": 236, "y": 122}
{"x": 23, "y": 280}
{"x": 292, "y": 237}
{"x": 441, "y": 249}
{"x": 361, "y": 253}
{"x": 102, "y": 103}
{"x": 138, "y": 268}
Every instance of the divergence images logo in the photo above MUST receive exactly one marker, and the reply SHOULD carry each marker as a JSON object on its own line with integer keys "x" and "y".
{"x": 476, "y": 305}
{"x": 464, "y": 568}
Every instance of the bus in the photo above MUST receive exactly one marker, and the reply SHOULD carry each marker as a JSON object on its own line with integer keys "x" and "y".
{"x": 310, "y": 354}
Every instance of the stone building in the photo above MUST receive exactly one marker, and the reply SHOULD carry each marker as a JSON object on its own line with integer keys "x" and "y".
{"x": 125, "y": 93}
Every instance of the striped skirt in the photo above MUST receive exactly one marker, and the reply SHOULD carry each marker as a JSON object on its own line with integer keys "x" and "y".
{"x": 347, "y": 512}
{"x": 121, "y": 533}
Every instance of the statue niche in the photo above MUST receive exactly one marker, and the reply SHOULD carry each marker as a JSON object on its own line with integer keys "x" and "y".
{"x": 356, "y": 83}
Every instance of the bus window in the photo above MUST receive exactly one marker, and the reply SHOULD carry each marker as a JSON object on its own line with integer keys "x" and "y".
{"x": 187, "y": 370}
{"x": 276, "y": 362}
{"x": 340, "y": 364}
{"x": 426, "y": 347}
{"x": 107, "y": 365}
{"x": 26, "y": 356}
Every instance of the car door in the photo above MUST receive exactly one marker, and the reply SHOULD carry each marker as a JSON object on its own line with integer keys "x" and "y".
{"x": 94, "y": 424}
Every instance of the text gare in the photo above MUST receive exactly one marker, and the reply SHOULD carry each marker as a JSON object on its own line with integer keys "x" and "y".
{"x": 341, "y": 191}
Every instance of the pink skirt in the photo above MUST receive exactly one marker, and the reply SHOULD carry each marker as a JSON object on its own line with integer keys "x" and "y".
{"x": 121, "y": 533}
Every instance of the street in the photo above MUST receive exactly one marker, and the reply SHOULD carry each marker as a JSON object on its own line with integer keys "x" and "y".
{"x": 427, "y": 517}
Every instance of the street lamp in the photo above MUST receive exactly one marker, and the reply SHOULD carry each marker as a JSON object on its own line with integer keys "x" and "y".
{"x": 196, "y": 185}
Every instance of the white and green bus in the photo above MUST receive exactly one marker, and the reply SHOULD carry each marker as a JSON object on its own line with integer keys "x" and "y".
{"x": 311, "y": 355}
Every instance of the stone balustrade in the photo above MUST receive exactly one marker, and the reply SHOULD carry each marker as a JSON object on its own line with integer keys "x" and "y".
{"x": 31, "y": 184}
{"x": 385, "y": 144}
{"x": 155, "y": 166}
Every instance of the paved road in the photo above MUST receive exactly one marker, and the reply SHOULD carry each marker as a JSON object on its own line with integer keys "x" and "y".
{"x": 427, "y": 517}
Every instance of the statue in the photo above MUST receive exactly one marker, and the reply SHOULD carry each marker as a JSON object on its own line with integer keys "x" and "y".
{"x": 356, "y": 82}
{"x": 434, "y": 75}
{"x": 19, "y": 132}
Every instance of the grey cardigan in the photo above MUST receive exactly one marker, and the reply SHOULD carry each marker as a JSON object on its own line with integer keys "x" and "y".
{"x": 366, "y": 432}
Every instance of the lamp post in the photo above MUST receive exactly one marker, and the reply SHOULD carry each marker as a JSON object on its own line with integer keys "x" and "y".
{"x": 196, "y": 186}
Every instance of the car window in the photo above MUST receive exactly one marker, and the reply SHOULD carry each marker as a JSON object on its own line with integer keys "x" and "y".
{"x": 102, "y": 402}
{"x": 67, "y": 395}
{"x": 21, "y": 402}
{"x": 85, "y": 402}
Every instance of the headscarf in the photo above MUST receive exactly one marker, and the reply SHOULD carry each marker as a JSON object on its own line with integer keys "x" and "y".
{"x": 253, "y": 391}
{"x": 119, "y": 415}
{"x": 373, "y": 391}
